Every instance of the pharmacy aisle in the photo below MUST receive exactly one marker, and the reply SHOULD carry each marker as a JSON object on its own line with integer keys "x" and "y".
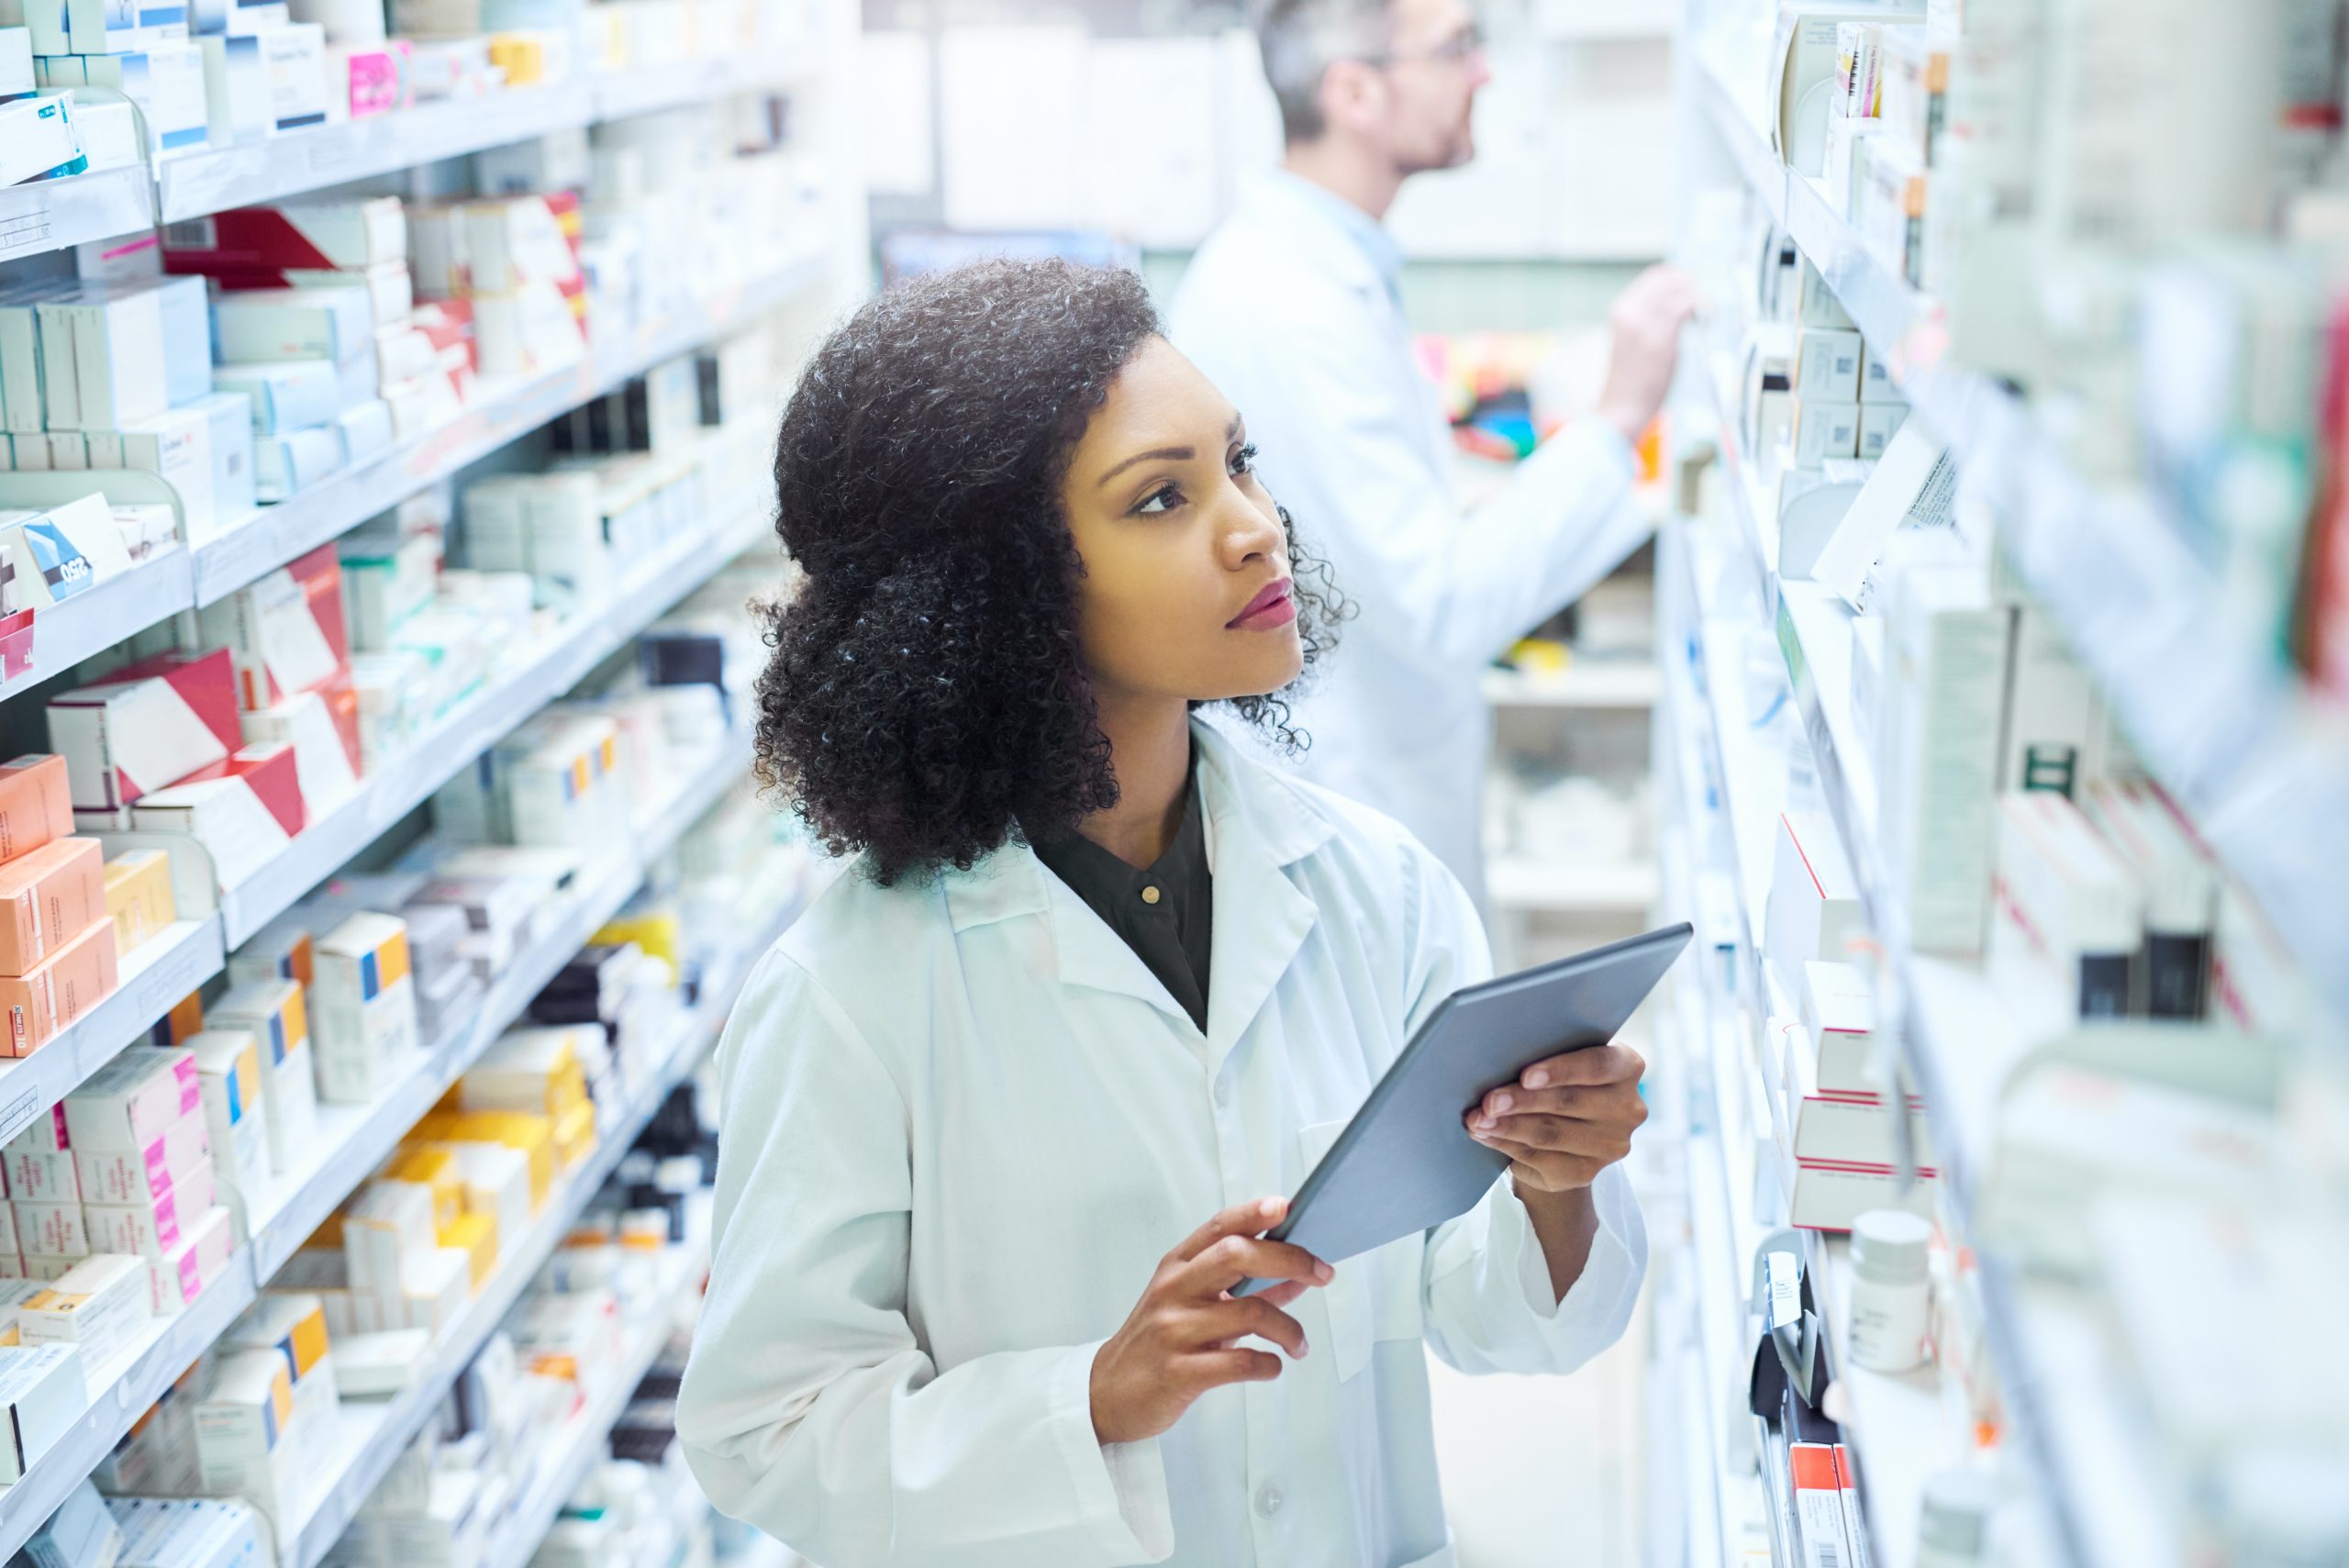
{"x": 2001, "y": 767}
{"x": 384, "y": 518}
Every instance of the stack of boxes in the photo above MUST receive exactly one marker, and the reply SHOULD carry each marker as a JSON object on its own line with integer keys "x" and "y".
{"x": 103, "y": 376}
{"x": 285, "y": 633}
{"x": 122, "y": 1167}
{"x": 57, "y": 941}
{"x": 300, "y": 291}
{"x": 554, "y": 783}
{"x": 158, "y": 746}
{"x": 514, "y": 261}
{"x": 367, "y": 329}
{"x": 1841, "y": 1154}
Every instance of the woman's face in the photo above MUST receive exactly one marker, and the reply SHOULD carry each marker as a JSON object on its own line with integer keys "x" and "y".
{"x": 1185, "y": 593}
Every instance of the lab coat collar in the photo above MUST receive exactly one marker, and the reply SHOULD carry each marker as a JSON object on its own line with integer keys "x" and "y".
{"x": 1259, "y": 823}
{"x": 1339, "y": 232}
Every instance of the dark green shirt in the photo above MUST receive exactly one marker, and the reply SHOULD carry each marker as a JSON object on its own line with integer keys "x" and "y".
{"x": 1163, "y": 913}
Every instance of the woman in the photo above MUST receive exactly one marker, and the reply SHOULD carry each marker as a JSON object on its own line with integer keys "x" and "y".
{"x": 1001, "y": 1111}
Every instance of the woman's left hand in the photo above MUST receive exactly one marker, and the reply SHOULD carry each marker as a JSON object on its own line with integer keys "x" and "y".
{"x": 1566, "y": 1118}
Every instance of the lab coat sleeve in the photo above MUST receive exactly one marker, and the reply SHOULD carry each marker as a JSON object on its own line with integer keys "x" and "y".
{"x": 1461, "y": 588}
{"x": 1483, "y": 1282}
{"x": 809, "y": 1409}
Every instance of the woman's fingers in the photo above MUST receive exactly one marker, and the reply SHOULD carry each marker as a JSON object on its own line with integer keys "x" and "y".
{"x": 1225, "y": 1262}
{"x": 1250, "y": 1219}
{"x": 1213, "y": 1369}
{"x": 1611, "y": 1101}
{"x": 1224, "y": 1322}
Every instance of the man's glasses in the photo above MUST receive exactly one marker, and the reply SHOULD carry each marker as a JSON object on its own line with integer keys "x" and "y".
{"x": 1464, "y": 44}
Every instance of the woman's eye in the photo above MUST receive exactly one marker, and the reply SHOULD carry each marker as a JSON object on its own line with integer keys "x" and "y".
{"x": 1244, "y": 460}
{"x": 1160, "y": 500}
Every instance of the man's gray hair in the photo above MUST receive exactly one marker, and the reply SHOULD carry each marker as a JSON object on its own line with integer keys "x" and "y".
{"x": 1301, "y": 39}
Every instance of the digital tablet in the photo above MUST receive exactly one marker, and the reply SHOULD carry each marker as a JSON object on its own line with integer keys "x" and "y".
{"x": 1406, "y": 1162}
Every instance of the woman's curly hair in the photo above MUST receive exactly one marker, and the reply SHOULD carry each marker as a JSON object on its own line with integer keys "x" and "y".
{"x": 926, "y": 698}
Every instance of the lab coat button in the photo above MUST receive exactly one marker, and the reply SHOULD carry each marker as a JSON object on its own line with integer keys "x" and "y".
{"x": 1269, "y": 1499}
{"x": 1223, "y": 1091}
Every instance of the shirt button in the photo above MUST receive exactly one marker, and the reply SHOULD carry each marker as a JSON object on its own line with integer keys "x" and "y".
{"x": 1223, "y": 1091}
{"x": 1269, "y": 1499}
{"x": 1150, "y": 895}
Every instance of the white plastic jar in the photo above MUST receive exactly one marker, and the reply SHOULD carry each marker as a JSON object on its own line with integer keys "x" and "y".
{"x": 1890, "y": 1297}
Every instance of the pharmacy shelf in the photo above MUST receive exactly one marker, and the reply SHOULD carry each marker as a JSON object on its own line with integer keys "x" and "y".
{"x": 353, "y": 1140}
{"x": 55, "y": 214}
{"x": 585, "y": 641}
{"x": 2218, "y": 720}
{"x": 153, "y": 979}
{"x": 499, "y": 414}
{"x": 585, "y": 1440}
{"x": 372, "y": 1439}
{"x": 1582, "y": 683}
{"x": 104, "y": 614}
{"x": 194, "y": 183}
{"x": 1518, "y": 882}
{"x": 120, "y": 1396}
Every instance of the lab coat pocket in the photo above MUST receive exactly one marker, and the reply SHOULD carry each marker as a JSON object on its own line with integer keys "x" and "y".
{"x": 1370, "y": 1297}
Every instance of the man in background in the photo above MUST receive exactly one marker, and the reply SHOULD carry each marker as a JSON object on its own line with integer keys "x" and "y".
{"x": 1293, "y": 308}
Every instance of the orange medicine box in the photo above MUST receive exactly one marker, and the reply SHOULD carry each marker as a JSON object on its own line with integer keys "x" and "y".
{"x": 138, "y": 898}
{"x": 35, "y": 804}
{"x": 60, "y": 988}
{"x": 48, "y": 898}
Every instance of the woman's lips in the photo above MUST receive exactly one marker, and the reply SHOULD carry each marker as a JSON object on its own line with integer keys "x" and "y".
{"x": 1277, "y": 606}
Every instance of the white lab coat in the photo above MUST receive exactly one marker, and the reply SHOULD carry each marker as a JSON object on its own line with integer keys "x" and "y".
{"x": 961, "y": 1123}
{"x": 1293, "y": 309}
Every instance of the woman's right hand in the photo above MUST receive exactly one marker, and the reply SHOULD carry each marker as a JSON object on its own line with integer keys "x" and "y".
{"x": 1182, "y": 1338}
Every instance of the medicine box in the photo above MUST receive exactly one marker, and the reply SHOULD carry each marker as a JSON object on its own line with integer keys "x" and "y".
{"x": 365, "y": 1008}
{"x": 2069, "y": 912}
{"x": 386, "y": 1236}
{"x": 290, "y": 236}
{"x": 1827, "y": 365}
{"x": 47, "y": 898}
{"x": 292, "y": 395}
{"x": 100, "y": 1305}
{"x": 166, "y": 79}
{"x": 75, "y": 977}
{"x": 293, "y": 1326}
{"x": 2181, "y": 887}
{"x": 50, "y": 1229}
{"x": 43, "y": 1395}
{"x": 235, "y": 1111}
{"x": 244, "y": 812}
{"x": 35, "y": 804}
{"x": 37, "y": 140}
{"x": 276, "y": 1015}
{"x": 294, "y": 61}
{"x": 284, "y": 630}
{"x": 1937, "y": 747}
{"x": 186, "y": 1269}
{"x": 292, "y": 461}
{"x": 41, "y": 1174}
{"x": 282, "y": 950}
{"x": 1814, "y": 900}
{"x": 271, "y": 326}
{"x": 138, "y": 898}
{"x": 138, "y": 348}
{"x": 240, "y": 1429}
{"x": 1830, "y": 1197}
{"x": 236, "y": 89}
{"x": 143, "y": 1175}
{"x": 154, "y": 1227}
{"x": 15, "y": 63}
{"x": 322, "y": 728}
{"x": 151, "y": 724}
{"x": 131, "y": 1100}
